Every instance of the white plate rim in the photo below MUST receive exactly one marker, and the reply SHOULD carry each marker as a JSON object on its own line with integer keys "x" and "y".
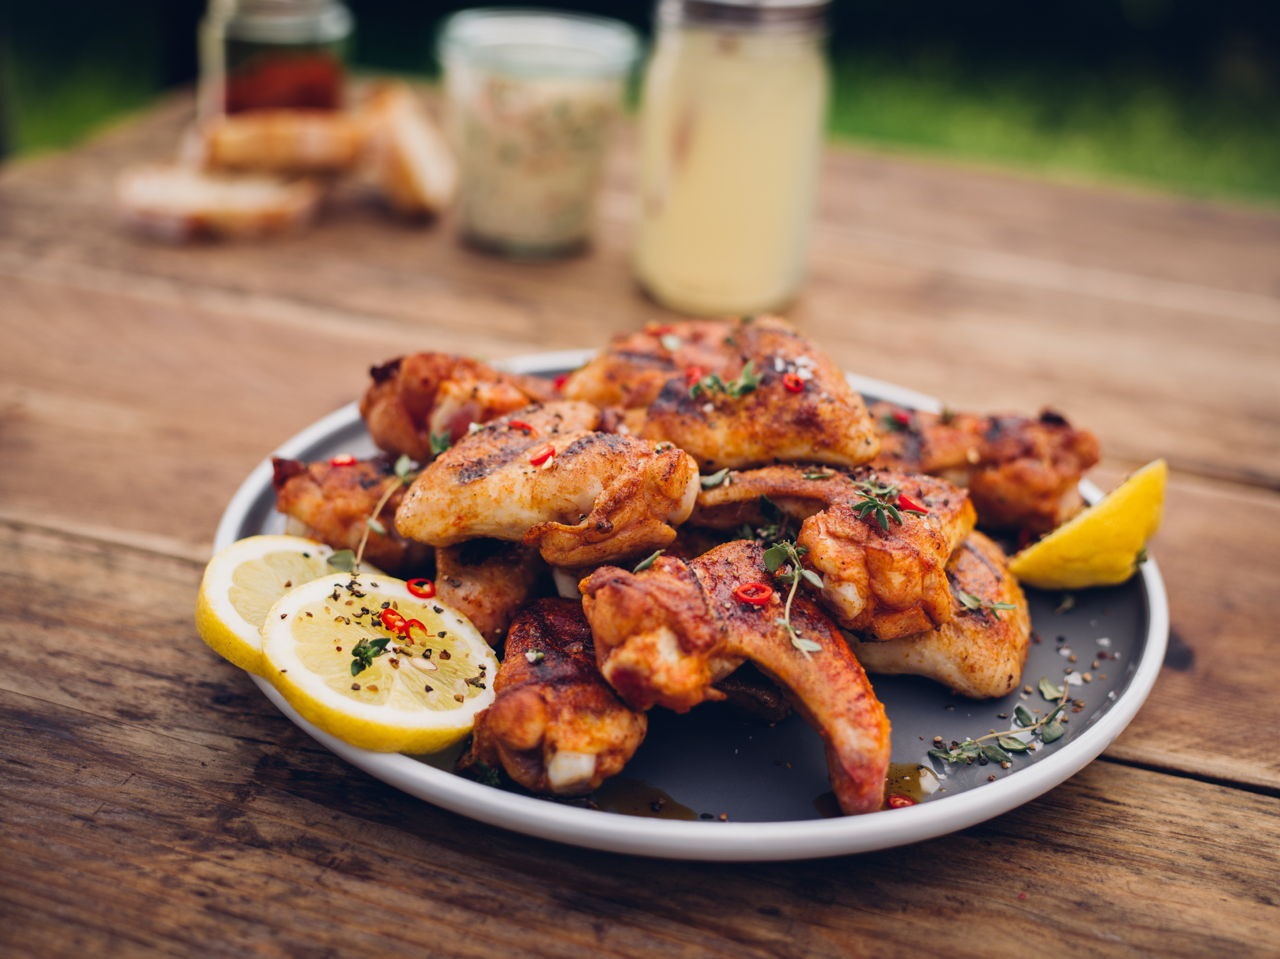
{"x": 720, "y": 841}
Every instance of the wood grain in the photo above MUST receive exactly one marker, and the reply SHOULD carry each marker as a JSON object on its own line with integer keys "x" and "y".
{"x": 154, "y": 804}
{"x": 1156, "y": 323}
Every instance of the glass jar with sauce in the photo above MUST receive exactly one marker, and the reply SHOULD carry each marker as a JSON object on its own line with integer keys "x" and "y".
{"x": 731, "y": 130}
{"x": 273, "y": 54}
{"x": 532, "y": 98}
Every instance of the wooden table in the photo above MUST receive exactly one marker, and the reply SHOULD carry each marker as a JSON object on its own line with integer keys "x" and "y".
{"x": 154, "y": 802}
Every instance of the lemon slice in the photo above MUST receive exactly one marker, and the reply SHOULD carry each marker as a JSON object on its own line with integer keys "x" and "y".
{"x": 1100, "y": 546}
{"x": 414, "y": 692}
{"x": 242, "y": 582}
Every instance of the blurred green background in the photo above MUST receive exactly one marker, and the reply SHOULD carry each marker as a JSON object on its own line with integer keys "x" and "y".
{"x": 1182, "y": 96}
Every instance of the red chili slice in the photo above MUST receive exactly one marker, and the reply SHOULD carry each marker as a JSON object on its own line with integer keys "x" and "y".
{"x": 558, "y": 383}
{"x": 392, "y": 620}
{"x": 692, "y": 374}
{"x": 793, "y": 382}
{"x": 901, "y": 418}
{"x": 660, "y": 330}
{"x": 409, "y": 624}
{"x": 542, "y": 455}
{"x": 422, "y": 588}
{"x": 343, "y": 459}
{"x": 757, "y": 594}
{"x": 521, "y": 425}
{"x": 899, "y": 801}
{"x": 910, "y": 505}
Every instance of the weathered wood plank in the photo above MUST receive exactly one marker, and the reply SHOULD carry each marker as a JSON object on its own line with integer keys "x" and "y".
{"x": 155, "y": 802}
{"x": 1154, "y": 321}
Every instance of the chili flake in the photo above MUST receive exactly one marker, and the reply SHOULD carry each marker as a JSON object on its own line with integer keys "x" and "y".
{"x": 422, "y": 588}
{"x": 543, "y": 456}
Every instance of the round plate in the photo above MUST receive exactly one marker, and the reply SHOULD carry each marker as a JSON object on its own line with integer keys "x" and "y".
{"x": 755, "y": 791}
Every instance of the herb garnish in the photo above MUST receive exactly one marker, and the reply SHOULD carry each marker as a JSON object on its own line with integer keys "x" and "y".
{"x": 439, "y": 443}
{"x": 534, "y": 656}
{"x": 716, "y": 479}
{"x": 366, "y": 651}
{"x": 745, "y": 383}
{"x": 819, "y": 474}
{"x": 1047, "y": 729}
{"x": 879, "y": 500}
{"x": 783, "y": 560}
{"x": 777, "y": 525}
{"x": 971, "y": 602}
{"x": 893, "y": 424}
{"x": 647, "y": 561}
{"x": 404, "y": 476}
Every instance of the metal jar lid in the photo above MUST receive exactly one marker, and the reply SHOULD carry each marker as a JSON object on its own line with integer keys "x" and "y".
{"x": 744, "y": 14}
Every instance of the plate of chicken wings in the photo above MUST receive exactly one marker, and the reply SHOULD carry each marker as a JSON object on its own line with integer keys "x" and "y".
{"x": 748, "y": 606}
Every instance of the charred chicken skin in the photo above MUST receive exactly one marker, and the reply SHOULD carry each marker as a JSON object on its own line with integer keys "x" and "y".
{"x": 980, "y": 652}
{"x": 488, "y": 580}
{"x": 762, "y": 394}
{"x": 883, "y": 564}
{"x": 665, "y": 635}
{"x": 555, "y": 725}
{"x": 415, "y": 397}
{"x": 334, "y": 503}
{"x": 1021, "y": 473}
{"x": 546, "y": 478}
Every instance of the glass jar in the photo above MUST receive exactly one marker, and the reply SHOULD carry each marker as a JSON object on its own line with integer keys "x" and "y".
{"x": 731, "y": 130}
{"x": 532, "y": 97}
{"x": 273, "y": 54}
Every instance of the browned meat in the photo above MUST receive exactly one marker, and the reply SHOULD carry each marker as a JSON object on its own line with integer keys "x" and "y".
{"x": 665, "y": 635}
{"x": 334, "y": 504}
{"x": 887, "y": 579}
{"x": 794, "y": 404}
{"x": 487, "y": 580}
{"x": 980, "y": 652}
{"x": 415, "y": 397}
{"x": 1022, "y": 473}
{"x": 555, "y": 726}
{"x": 581, "y": 497}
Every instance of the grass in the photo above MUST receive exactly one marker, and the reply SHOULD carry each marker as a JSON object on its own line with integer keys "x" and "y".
{"x": 1128, "y": 129}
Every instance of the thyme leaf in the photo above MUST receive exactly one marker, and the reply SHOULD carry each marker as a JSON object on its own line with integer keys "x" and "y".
{"x": 782, "y": 559}
{"x": 744, "y": 383}
{"x": 344, "y": 560}
{"x": 974, "y": 603}
{"x": 439, "y": 443}
{"x": 366, "y": 651}
{"x": 879, "y": 501}
{"x": 716, "y": 479}
{"x": 647, "y": 561}
{"x": 1001, "y": 747}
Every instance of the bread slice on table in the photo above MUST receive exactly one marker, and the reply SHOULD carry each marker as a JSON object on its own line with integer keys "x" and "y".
{"x": 406, "y": 161}
{"x": 179, "y": 203}
{"x": 284, "y": 141}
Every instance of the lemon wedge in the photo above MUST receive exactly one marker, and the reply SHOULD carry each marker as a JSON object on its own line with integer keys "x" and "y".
{"x": 242, "y": 582}
{"x": 336, "y": 650}
{"x": 1101, "y": 545}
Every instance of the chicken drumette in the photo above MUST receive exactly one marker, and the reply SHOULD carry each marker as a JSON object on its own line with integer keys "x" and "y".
{"x": 880, "y": 539}
{"x": 546, "y": 478}
{"x": 334, "y": 503}
{"x": 424, "y": 395}
{"x": 1022, "y": 473}
{"x": 732, "y": 393}
{"x": 665, "y": 635}
{"x": 980, "y": 652}
{"x": 487, "y": 580}
{"x": 555, "y": 726}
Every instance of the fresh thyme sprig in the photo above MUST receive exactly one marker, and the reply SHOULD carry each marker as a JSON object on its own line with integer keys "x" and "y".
{"x": 366, "y": 651}
{"x": 439, "y": 443}
{"x": 1047, "y": 729}
{"x": 782, "y": 559}
{"x": 879, "y": 500}
{"x": 777, "y": 524}
{"x": 745, "y": 383}
{"x": 977, "y": 604}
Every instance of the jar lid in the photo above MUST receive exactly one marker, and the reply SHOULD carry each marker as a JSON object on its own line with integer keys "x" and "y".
{"x": 526, "y": 41}
{"x": 288, "y": 21}
{"x": 745, "y": 14}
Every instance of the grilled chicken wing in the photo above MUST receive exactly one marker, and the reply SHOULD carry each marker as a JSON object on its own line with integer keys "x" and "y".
{"x": 886, "y": 580}
{"x": 549, "y": 480}
{"x": 631, "y": 371}
{"x": 792, "y": 404}
{"x": 415, "y": 397}
{"x": 334, "y": 504}
{"x": 980, "y": 652}
{"x": 1022, "y": 473}
{"x": 665, "y": 635}
{"x": 487, "y": 580}
{"x": 555, "y": 725}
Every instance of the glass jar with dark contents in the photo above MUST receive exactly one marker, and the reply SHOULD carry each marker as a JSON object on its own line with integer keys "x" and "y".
{"x": 273, "y": 54}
